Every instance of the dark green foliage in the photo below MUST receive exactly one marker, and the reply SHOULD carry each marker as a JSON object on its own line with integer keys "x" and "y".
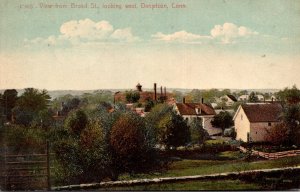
{"x": 208, "y": 95}
{"x": 84, "y": 158}
{"x": 253, "y": 98}
{"x": 34, "y": 100}
{"x": 29, "y": 105}
{"x": 73, "y": 104}
{"x": 173, "y": 130}
{"x": 289, "y": 95}
{"x": 20, "y": 139}
{"x": 76, "y": 121}
{"x": 291, "y": 119}
{"x": 23, "y": 116}
{"x": 222, "y": 120}
{"x": 132, "y": 96}
{"x": 198, "y": 134}
{"x": 149, "y": 104}
{"x": 8, "y": 102}
{"x": 170, "y": 129}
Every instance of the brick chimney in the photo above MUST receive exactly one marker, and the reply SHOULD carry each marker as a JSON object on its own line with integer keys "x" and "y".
{"x": 183, "y": 100}
{"x": 202, "y": 100}
{"x": 165, "y": 92}
{"x": 155, "y": 91}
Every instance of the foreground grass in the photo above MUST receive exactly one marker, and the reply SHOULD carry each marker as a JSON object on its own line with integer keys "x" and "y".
{"x": 202, "y": 167}
{"x": 194, "y": 185}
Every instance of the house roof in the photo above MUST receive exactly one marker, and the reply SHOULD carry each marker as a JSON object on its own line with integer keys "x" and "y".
{"x": 262, "y": 112}
{"x": 190, "y": 109}
{"x": 232, "y": 98}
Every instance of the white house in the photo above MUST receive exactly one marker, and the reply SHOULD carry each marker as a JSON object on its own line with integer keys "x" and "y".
{"x": 260, "y": 97}
{"x": 243, "y": 98}
{"x": 246, "y": 98}
{"x": 252, "y": 121}
{"x": 205, "y": 112}
{"x": 228, "y": 99}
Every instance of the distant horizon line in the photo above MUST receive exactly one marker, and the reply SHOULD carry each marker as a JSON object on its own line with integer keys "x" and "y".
{"x": 146, "y": 88}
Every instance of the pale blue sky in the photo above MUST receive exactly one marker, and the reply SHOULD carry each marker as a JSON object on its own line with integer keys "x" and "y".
{"x": 208, "y": 44}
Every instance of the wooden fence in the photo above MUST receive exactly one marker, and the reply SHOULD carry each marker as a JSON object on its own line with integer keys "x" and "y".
{"x": 275, "y": 155}
{"x": 25, "y": 171}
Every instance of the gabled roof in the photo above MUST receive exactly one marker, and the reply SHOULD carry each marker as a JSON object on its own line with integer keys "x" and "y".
{"x": 262, "y": 112}
{"x": 190, "y": 109}
{"x": 232, "y": 98}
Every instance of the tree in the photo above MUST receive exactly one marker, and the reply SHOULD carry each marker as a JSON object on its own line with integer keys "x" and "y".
{"x": 278, "y": 135}
{"x": 291, "y": 119}
{"x": 194, "y": 96}
{"x": 132, "y": 151}
{"x": 222, "y": 103}
{"x": 82, "y": 158}
{"x": 149, "y": 104}
{"x": 289, "y": 95}
{"x": 34, "y": 100}
{"x": 198, "y": 134}
{"x": 76, "y": 121}
{"x": 243, "y": 92}
{"x": 173, "y": 130}
{"x": 29, "y": 104}
{"x": 252, "y": 97}
{"x": 132, "y": 96}
{"x": 177, "y": 95}
{"x": 225, "y": 92}
{"x": 222, "y": 120}
{"x": 8, "y": 102}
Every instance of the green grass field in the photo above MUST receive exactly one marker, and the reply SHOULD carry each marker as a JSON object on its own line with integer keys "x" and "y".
{"x": 186, "y": 167}
{"x": 194, "y": 185}
{"x": 201, "y": 167}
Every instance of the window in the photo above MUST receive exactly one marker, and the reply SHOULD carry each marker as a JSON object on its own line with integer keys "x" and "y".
{"x": 269, "y": 124}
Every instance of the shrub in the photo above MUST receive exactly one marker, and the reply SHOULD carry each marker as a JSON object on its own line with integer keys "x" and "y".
{"x": 76, "y": 121}
{"x": 132, "y": 149}
{"x": 83, "y": 159}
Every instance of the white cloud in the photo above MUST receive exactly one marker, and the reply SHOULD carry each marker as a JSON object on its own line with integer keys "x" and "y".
{"x": 86, "y": 31}
{"x": 228, "y": 32}
{"x": 124, "y": 35}
{"x": 180, "y": 36}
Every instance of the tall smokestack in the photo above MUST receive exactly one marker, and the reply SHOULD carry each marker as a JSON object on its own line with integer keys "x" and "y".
{"x": 155, "y": 91}
{"x": 183, "y": 100}
{"x": 165, "y": 92}
{"x": 161, "y": 93}
{"x": 202, "y": 100}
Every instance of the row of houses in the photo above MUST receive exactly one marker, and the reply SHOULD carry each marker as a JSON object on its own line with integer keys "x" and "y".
{"x": 251, "y": 120}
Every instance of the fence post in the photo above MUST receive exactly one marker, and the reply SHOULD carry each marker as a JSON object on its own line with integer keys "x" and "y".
{"x": 5, "y": 169}
{"x": 48, "y": 166}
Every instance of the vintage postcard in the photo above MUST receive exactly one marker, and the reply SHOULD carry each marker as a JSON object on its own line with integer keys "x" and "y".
{"x": 149, "y": 94}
